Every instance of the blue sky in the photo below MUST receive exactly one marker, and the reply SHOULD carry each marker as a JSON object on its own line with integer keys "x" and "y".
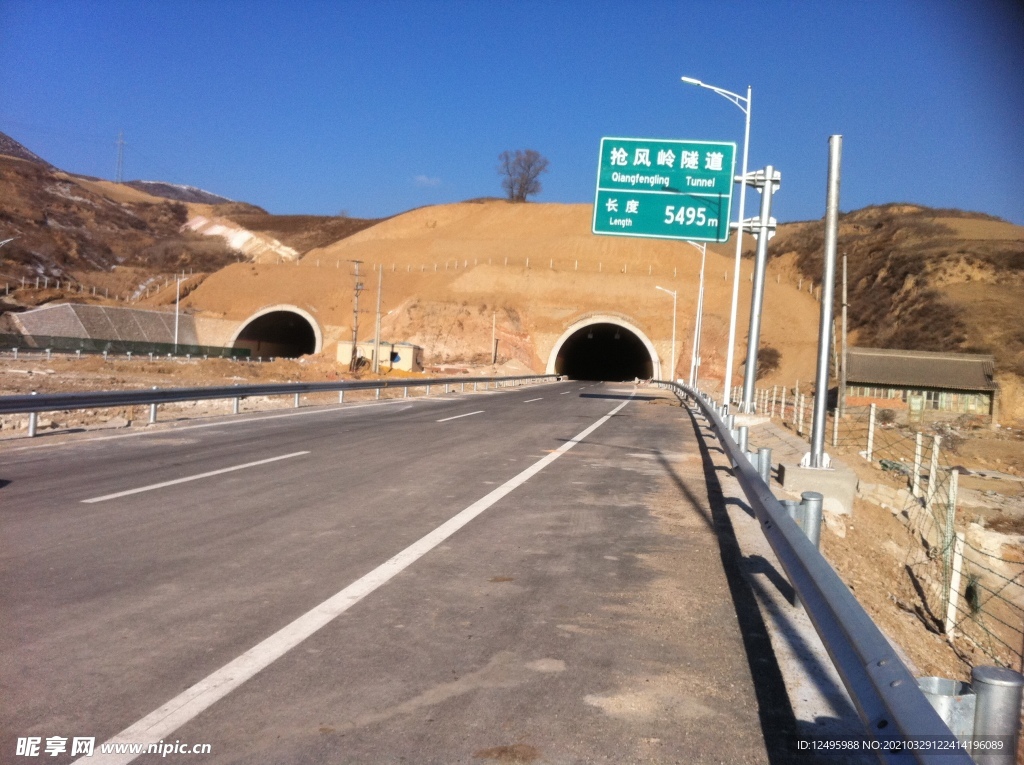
{"x": 375, "y": 107}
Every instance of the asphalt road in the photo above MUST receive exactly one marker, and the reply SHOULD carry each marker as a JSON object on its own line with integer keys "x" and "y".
{"x": 459, "y": 579}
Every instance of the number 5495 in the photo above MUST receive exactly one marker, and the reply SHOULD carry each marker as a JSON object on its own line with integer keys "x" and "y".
{"x": 686, "y": 215}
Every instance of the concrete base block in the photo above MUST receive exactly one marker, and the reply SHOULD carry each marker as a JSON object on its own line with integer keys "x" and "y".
{"x": 838, "y": 485}
{"x": 750, "y": 420}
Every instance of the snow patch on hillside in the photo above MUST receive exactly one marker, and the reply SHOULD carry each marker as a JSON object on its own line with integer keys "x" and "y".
{"x": 257, "y": 247}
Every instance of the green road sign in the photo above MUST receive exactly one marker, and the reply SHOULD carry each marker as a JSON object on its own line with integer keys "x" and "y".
{"x": 665, "y": 189}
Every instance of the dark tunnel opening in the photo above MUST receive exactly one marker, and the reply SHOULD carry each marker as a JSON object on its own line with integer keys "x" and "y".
{"x": 604, "y": 352}
{"x": 278, "y": 333}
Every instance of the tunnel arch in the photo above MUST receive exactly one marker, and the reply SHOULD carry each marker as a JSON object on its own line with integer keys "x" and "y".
{"x": 279, "y": 330}
{"x": 635, "y": 358}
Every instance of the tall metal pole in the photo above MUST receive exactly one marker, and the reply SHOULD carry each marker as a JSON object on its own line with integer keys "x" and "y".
{"x": 828, "y": 288}
{"x": 730, "y": 349}
{"x": 744, "y": 104}
{"x": 376, "y": 331}
{"x": 771, "y": 178}
{"x": 494, "y": 338}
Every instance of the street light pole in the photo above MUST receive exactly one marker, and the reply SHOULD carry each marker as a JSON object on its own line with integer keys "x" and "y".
{"x": 695, "y": 351}
{"x": 743, "y": 104}
{"x": 674, "y": 295}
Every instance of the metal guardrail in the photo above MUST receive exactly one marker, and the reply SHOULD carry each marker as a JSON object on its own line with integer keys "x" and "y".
{"x": 892, "y": 707}
{"x": 60, "y": 402}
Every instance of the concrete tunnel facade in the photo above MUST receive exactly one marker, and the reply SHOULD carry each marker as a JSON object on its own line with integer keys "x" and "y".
{"x": 604, "y": 347}
{"x": 279, "y": 331}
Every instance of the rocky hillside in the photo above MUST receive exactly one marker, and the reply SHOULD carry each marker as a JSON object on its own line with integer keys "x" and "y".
{"x": 923, "y": 279}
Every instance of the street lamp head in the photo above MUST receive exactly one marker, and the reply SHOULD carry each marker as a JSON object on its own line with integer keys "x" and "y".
{"x": 691, "y": 80}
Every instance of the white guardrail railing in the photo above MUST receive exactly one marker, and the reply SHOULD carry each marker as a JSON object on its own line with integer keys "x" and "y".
{"x": 900, "y": 723}
{"x": 33, "y": 404}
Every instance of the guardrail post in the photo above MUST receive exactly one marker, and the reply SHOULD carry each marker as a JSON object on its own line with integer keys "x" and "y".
{"x": 296, "y": 400}
{"x": 405, "y": 392}
{"x": 235, "y": 403}
{"x": 428, "y": 391}
{"x": 152, "y": 412}
{"x": 463, "y": 387}
{"x": 15, "y": 350}
{"x": 764, "y": 464}
{"x": 997, "y": 712}
{"x": 378, "y": 394}
{"x": 446, "y": 389}
{"x": 871, "y": 432}
{"x": 341, "y": 397}
{"x": 743, "y": 433}
{"x": 812, "y": 502}
{"x": 104, "y": 355}
{"x": 47, "y": 354}
{"x": 33, "y": 421}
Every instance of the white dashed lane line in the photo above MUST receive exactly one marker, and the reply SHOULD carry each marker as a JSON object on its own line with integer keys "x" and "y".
{"x": 186, "y": 479}
{"x": 532, "y": 399}
{"x": 467, "y": 414}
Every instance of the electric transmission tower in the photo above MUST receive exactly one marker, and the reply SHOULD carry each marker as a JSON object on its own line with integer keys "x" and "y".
{"x": 120, "y": 156}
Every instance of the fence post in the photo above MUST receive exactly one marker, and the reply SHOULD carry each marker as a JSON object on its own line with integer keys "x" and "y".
{"x": 953, "y": 593}
{"x": 835, "y": 428}
{"x": 871, "y": 432}
{"x": 800, "y": 425}
{"x": 782, "y": 408}
{"x": 933, "y": 472}
{"x": 774, "y": 388}
{"x": 915, "y": 479}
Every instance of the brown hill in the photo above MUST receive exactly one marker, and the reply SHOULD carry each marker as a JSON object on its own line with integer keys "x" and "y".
{"x": 74, "y": 228}
{"x": 924, "y": 279}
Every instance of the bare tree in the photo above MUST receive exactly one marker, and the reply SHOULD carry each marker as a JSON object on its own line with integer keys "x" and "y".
{"x": 521, "y": 170}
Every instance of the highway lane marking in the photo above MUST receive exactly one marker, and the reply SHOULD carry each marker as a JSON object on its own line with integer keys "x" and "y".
{"x": 161, "y": 723}
{"x": 186, "y": 479}
{"x": 467, "y": 414}
{"x": 533, "y": 399}
{"x": 564, "y": 392}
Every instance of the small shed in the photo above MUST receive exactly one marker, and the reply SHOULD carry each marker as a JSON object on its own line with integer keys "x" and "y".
{"x": 404, "y": 356}
{"x": 928, "y": 384}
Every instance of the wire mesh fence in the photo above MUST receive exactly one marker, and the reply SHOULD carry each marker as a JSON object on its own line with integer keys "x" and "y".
{"x": 967, "y": 581}
{"x": 36, "y": 343}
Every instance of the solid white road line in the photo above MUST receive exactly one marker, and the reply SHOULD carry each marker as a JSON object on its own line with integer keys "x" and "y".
{"x": 160, "y": 724}
{"x": 186, "y": 479}
{"x": 532, "y": 399}
{"x": 468, "y": 414}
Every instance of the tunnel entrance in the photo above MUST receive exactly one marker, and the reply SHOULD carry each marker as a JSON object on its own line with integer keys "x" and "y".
{"x": 604, "y": 351}
{"x": 281, "y": 333}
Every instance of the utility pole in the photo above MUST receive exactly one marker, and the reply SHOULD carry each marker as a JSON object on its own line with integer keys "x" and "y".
{"x": 120, "y": 156}
{"x": 376, "y": 333}
{"x": 494, "y": 338}
{"x": 355, "y": 318}
{"x": 177, "y": 302}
